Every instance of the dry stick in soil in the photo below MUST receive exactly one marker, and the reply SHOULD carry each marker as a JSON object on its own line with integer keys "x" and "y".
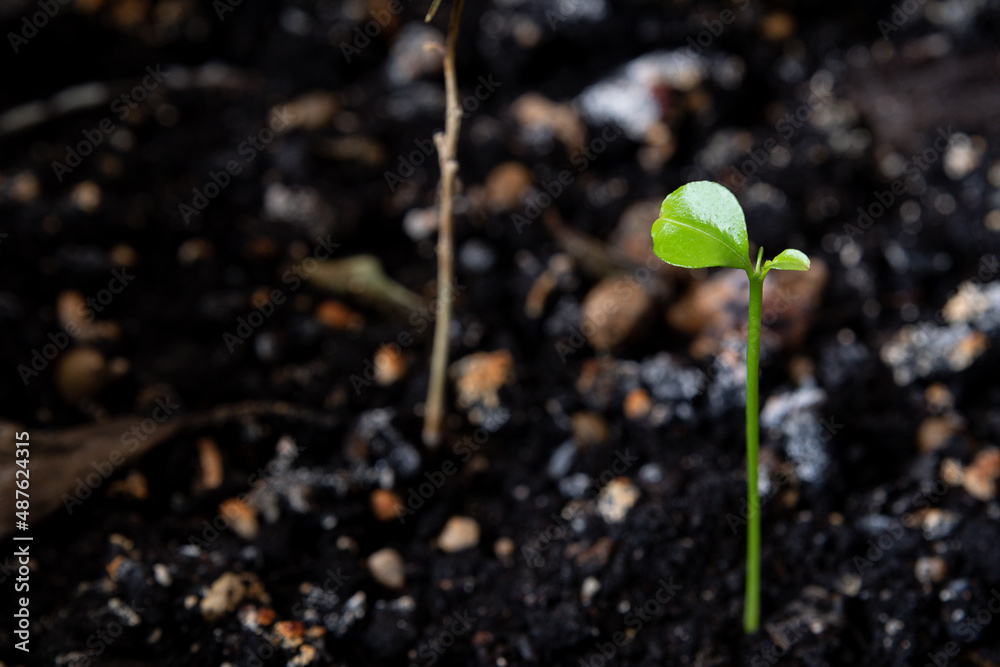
{"x": 447, "y": 144}
{"x": 701, "y": 225}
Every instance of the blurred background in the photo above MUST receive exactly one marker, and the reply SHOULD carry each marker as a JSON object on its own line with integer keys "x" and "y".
{"x": 217, "y": 290}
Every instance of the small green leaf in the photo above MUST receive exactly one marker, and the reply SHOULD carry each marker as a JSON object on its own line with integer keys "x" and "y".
{"x": 787, "y": 260}
{"x": 701, "y": 225}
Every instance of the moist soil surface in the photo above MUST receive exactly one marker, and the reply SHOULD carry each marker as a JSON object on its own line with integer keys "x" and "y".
{"x": 600, "y": 459}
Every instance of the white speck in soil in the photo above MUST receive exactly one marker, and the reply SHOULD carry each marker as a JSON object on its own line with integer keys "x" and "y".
{"x": 562, "y": 460}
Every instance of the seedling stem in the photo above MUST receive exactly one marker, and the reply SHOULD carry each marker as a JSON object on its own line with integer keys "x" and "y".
{"x": 702, "y": 225}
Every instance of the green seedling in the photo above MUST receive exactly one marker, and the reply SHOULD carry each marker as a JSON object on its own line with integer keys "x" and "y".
{"x": 701, "y": 225}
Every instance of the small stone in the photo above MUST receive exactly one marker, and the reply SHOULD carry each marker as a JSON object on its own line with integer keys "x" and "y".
{"x": 801, "y": 370}
{"x": 938, "y": 523}
{"x": 78, "y": 319}
{"x": 210, "y": 460}
{"x": 459, "y": 533}
{"x": 631, "y": 240}
{"x": 242, "y": 518}
{"x": 637, "y": 404}
{"x": 421, "y": 223}
{"x": 777, "y": 26}
{"x": 980, "y": 479}
{"x": 970, "y": 304}
{"x": 614, "y": 312}
{"x": 86, "y": 196}
{"x": 939, "y": 398}
{"x": 963, "y": 156}
{"x": 387, "y": 568}
{"x": 306, "y": 655}
{"x": 631, "y": 97}
{"x": 355, "y": 148}
{"x": 589, "y": 429}
{"x": 115, "y": 565}
{"x": 476, "y": 256}
{"x": 616, "y": 499}
{"x": 347, "y": 543}
{"x": 930, "y": 570}
{"x": 849, "y": 584}
{"x": 504, "y": 547}
{"x": 538, "y": 116}
{"x": 161, "y": 573}
{"x": 228, "y": 591}
{"x": 135, "y": 485}
{"x": 386, "y": 504}
{"x": 195, "y": 250}
{"x": 478, "y": 380}
{"x": 418, "y": 51}
{"x": 588, "y": 589}
{"x": 507, "y": 185}
{"x": 311, "y": 111}
{"x": 952, "y": 471}
{"x": 25, "y": 187}
{"x": 969, "y": 348}
{"x": 390, "y": 364}
{"x": 81, "y": 374}
{"x": 338, "y": 316}
{"x": 266, "y": 616}
{"x": 290, "y": 633}
{"x": 935, "y": 432}
{"x": 562, "y": 460}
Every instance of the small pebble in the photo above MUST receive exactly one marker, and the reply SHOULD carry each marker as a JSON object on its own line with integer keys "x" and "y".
{"x": 507, "y": 185}
{"x": 338, "y": 317}
{"x": 980, "y": 479}
{"x": 538, "y": 118}
{"x": 86, "y": 196}
{"x": 588, "y": 589}
{"x": 614, "y": 312}
{"x": 935, "y": 432}
{"x": 938, "y": 523}
{"x": 562, "y": 460}
{"x": 228, "y": 591}
{"x": 242, "y": 518}
{"x": 420, "y": 223}
{"x": 161, "y": 573}
{"x": 210, "y": 458}
{"x": 385, "y": 504}
{"x": 930, "y": 570}
{"x": 504, "y": 547}
{"x": 312, "y": 110}
{"x": 939, "y": 398}
{"x": 81, "y": 374}
{"x": 616, "y": 499}
{"x": 390, "y": 365}
{"x": 417, "y": 51}
{"x": 135, "y": 485}
{"x": 478, "y": 380}
{"x": 459, "y": 533}
{"x": 387, "y": 568}
{"x": 589, "y": 429}
{"x": 637, "y": 404}
{"x": 290, "y": 633}
{"x": 777, "y": 26}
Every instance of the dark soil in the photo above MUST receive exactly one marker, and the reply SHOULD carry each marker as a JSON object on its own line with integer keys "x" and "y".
{"x": 845, "y": 553}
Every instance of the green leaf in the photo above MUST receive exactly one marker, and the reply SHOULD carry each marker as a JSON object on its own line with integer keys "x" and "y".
{"x": 700, "y": 225}
{"x": 787, "y": 260}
